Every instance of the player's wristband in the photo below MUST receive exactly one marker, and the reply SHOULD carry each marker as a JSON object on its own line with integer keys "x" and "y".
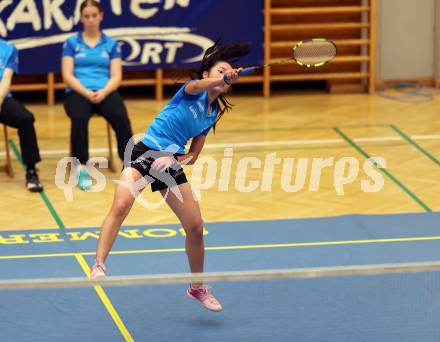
{"x": 226, "y": 79}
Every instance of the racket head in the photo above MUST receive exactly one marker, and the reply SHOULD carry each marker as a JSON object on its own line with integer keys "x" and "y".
{"x": 313, "y": 53}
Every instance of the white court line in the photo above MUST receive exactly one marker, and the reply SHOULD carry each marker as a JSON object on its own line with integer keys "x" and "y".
{"x": 269, "y": 143}
{"x": 426, "y": 137}
{"x": 275, "y": 143}
{"x": 378, "y": 139}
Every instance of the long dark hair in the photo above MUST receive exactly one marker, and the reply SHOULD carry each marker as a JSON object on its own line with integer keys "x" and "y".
{"x": 86, "y": 3}
{"x": 220, "y": 53}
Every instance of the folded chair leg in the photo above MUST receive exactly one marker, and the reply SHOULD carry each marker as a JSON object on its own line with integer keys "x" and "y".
{"x": 8, "y": 165}
{"x": 111, "y": 162}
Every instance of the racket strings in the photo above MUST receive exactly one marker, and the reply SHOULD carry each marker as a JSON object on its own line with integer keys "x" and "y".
{"x": 314, "y": 52}
{"x": 311, "y": 53}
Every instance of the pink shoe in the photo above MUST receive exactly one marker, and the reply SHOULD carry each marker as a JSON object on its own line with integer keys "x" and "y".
{"x": 204, "y": 295}
{"x": 98, "y": 270}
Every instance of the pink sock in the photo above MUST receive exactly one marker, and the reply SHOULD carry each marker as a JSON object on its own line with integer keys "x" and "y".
{"x": 196, "y": 286}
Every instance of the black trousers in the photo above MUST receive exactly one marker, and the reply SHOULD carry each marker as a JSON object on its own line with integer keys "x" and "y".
{"x": 80, "y": 110}
{"x": 14, "y": 114}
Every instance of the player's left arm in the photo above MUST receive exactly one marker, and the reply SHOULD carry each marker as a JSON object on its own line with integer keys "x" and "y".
{"x": 196, "y": 147}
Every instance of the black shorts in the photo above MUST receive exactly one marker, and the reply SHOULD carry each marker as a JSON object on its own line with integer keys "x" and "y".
{"x": 141, "y": 159}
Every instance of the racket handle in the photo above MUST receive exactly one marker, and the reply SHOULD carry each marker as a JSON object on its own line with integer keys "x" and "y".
{"x": 248, "y": 71}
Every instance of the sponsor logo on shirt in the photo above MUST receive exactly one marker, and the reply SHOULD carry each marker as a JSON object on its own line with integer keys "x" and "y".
{"x": 193, "y": 111}
{"x": 105, "y": 53}
{"x": 79, "y": 52}
{"x": 197, "y": 109}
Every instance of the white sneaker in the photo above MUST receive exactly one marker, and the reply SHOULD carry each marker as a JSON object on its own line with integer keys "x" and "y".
{"x": 204, "y": 295}
{"x": 98, "y": 271}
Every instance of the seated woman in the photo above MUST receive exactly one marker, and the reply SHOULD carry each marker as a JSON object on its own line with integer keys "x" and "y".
{"x": 14, "y": 114}
{"x": 92, "y": 69}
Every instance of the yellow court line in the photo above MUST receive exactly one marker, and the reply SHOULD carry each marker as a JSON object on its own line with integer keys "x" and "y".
{"x": 326, "y": 243}
{"x": 144, "y": 251}
{"x": 106, "y": 301}
{"x": 34, "y": 256}
{"x": 238, "y": 247}
{"x": 283, "y": 245}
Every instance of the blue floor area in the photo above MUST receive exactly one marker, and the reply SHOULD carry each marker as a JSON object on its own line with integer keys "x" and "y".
{"x": 402, "y": 307}
{"x": 51, "y": 314}
{"x": 386, "y": 308}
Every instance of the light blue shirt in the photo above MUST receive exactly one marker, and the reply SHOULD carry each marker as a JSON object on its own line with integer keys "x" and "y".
{"x": 8, "y": 58}
{"x": 183, "y": 118}
{"x": 92, "y": 65}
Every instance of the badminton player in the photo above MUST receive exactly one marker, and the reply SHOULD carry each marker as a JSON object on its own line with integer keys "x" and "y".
{"x": 156, "y": 159}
